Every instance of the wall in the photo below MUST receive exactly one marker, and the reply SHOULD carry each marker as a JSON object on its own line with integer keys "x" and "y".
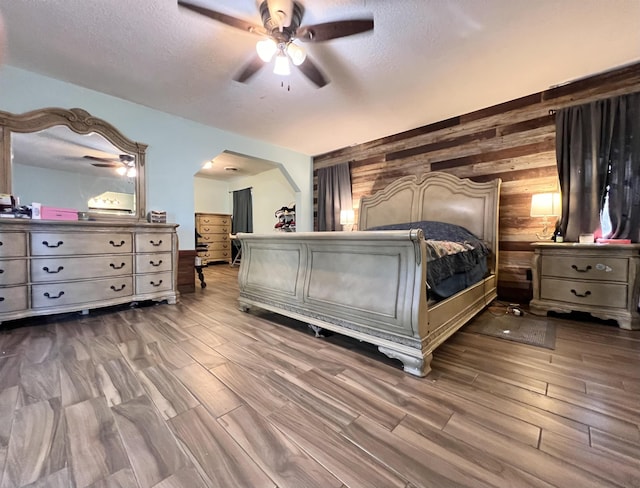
{"x": 514, "y": 141}
{"x": 177, "y": 147}
{"x": 269, "y": 191}
{"x": 211, "y": 196}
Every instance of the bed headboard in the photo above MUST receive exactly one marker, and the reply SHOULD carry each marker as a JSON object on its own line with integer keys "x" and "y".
{"x": 437, "y": 196}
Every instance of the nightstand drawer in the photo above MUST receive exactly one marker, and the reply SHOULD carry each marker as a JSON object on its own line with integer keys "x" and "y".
{"x": 584, "y": 293}
{"x": 601, "y": 268}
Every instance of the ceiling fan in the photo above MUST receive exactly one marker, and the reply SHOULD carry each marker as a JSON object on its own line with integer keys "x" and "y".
{"x": 281, "y": 27}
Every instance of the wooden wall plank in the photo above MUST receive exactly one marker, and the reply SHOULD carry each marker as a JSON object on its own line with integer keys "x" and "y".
{"x": 514, "y": 141}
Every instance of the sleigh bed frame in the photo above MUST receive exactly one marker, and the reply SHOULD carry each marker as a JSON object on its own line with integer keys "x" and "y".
{"x": 371, "y": 285}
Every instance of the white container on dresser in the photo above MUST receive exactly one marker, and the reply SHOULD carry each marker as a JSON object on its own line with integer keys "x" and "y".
{"x": 601, "y": 279}
{"x": 51, "y": 267}
{"x": 214, "y": 230}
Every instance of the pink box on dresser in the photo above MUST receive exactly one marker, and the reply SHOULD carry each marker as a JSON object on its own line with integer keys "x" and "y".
{"x": 56, "y": 213}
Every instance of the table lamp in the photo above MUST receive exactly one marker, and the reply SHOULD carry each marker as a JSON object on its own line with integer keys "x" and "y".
{"x": 546, "y": 205}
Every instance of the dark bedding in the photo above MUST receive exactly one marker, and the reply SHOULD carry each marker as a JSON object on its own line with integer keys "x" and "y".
{"x": 456, "y": 258}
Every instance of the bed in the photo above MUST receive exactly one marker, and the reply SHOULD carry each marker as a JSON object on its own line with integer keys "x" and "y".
{"x": 371, "y": 284}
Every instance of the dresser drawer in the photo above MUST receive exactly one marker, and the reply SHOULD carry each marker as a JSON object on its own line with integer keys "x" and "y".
{"x": 80, "y": 292}
{"x": 13, "y": 244}
{"x": 214, "y": 229}
{"x": 218, "y": 246}
{"x": 62, "y": 269}
{"x": 153, "y": 242}
{"x": 210, "y": 238}
{"x": 13, "y": 298}
{"x": 72, "y": 243}
{"x": 153, "y": 263}
{"x": 153, "y": 282}
{"x": 219, "y": 255}
{"x": 13, "y": 271}
{"x": 202, "y": 220}
{"x": 584, "y": 293}
{"x": 586, "y": 268}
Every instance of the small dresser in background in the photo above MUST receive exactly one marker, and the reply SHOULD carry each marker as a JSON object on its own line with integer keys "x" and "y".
{"x": 213, "y": 230}
{"x": 601, "y": 279}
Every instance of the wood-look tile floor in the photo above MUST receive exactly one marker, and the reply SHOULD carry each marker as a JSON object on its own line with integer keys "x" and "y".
{"x": 202, "y": 395}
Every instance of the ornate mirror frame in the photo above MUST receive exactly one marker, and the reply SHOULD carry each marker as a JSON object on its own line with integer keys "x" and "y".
{"x": 81, "y": 122}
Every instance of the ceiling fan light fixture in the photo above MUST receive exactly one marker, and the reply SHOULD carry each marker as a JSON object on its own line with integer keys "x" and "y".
{"x": 121, "y": 170}
{"x": 296, "y": 53}
{"x": 266, "y": 48}
{"x": 131, "y": 172}
{"x": 281, "y": 66}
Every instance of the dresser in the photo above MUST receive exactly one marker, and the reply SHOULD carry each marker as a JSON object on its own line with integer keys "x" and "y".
{"x": 601, "y": 279}
{"x": 51, "y": 267}
{"x": 214, "y": 230}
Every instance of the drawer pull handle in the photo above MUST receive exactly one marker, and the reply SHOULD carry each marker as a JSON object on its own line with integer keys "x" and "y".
{"x": 581, "y": 295}
{"x": 122, "y": 265}
{"x": 584, "y": 270}
{"x": 46, "y": 269}
{"x": 1, "y": 299}
{"x": 118, "y": 289}
{"x": 1, "y": 271}
{"x": 1, "y": 243}
{"x": 155, "y": 264}
{"x": 155, "y": 284}
{"x": 156, "y": 244}
{"x": 46, "y": 243}
{"x": 53, "y": 298}
{"x": 116, "y": 245}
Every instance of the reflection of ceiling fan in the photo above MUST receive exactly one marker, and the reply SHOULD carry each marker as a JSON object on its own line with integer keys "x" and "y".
{"x": 126, "y": 160}
{"x": 124, "y": 164}
{"x": 281, "y": 27}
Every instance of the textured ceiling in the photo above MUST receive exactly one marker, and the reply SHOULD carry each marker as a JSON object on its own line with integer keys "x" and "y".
{"x": 426, "y": 60}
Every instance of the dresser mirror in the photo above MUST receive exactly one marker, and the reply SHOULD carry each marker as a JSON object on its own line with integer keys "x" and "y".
{"x": 70, "y": 159}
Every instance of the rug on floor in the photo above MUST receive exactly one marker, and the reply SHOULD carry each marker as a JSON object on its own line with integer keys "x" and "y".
{"x": 527, "y": 329}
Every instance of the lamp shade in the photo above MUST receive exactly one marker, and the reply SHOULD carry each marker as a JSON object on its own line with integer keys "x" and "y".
{"x": 546, "y": 205}
{"x": 281, "y": 66}
{"x": 347, "y": 217}
{"x": 296, "y": 53}
{"x": 266, "y": 48}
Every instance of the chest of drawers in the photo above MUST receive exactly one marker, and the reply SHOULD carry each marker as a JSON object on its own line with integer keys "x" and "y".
{"x": 599, "y": 279}
{"x": 214, "y": 230}
{"x": 53, "y": 267}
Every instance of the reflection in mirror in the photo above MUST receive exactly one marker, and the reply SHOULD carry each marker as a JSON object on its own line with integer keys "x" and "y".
{"x": 61, "y": 168}
{"x": 71, "y": 159}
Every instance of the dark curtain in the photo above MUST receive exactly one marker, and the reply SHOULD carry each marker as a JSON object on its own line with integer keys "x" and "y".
{"x": 242, "y": 219}
{"x": 334, "y": 194}
{"x": 598, "y": 147}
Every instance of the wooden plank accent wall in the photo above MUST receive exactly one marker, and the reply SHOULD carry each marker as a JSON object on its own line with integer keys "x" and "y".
{"x": 514, "y": 141}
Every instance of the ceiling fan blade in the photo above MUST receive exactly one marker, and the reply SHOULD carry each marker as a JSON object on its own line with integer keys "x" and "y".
{"x": 105, "y": 165}
{"x": 224, "y": 18}
{"x": 311, "y": 71}
{"x": 250, "y": 69}
{"x": 103, "y": 160}
{"x": 333, "y": 30}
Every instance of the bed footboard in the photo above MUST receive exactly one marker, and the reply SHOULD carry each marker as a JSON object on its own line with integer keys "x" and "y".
{"x": 366, "y": 285}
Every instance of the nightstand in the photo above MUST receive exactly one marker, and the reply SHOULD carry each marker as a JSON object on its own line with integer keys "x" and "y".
{"x": 601, "y": 279}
